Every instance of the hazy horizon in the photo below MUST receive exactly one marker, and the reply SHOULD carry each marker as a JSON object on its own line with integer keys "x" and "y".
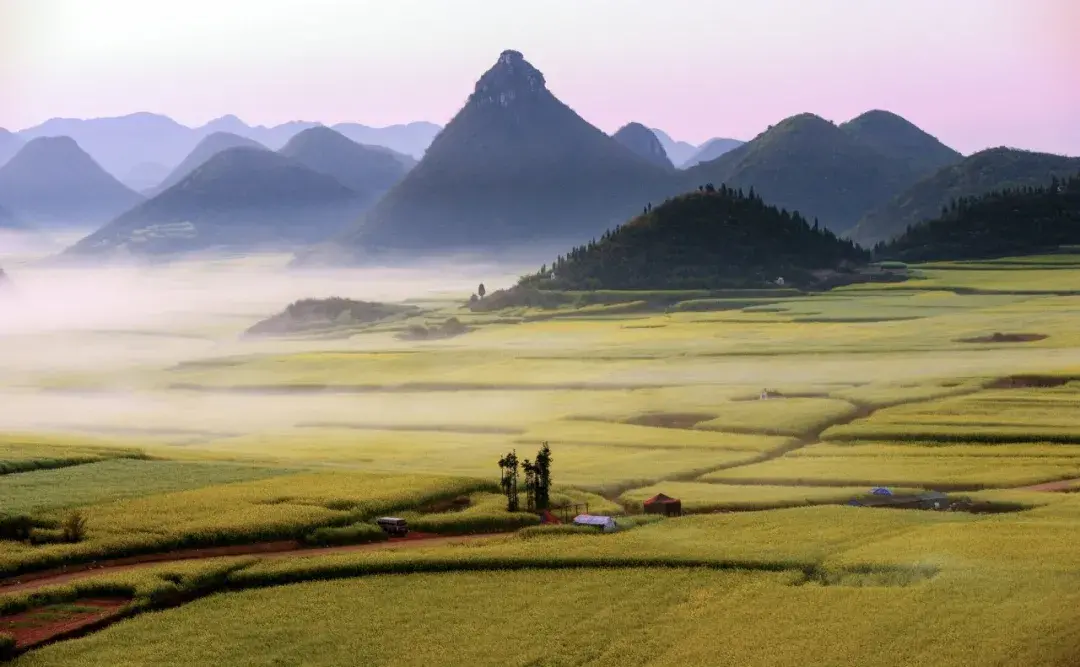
{"x": 975, "y": 73}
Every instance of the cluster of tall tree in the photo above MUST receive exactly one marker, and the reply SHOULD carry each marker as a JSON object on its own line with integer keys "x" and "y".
{"x": 537, "y": 480}
{"x": 711, "y": 238}
{"x": 1007, "y": 222}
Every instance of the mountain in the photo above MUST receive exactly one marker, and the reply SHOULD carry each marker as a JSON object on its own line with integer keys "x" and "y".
{"x": 10, "y": 144}
{"x": 702, "y": 240}
{"x": 677, "y": 151}
{"x": 366, "y": 171}
{"x": 273, "y": 137}
{"x": 119, "y": 144}
{"x": 53, "y": 181}
{"x": 145, "y": 175}
{"x": 806, "y": 163}
{"x": 123, "y": 143}
{"x": 210, "y": 146}
{"x": 514, "y": 165}
{"x": 410, "y": 139}
{"x": 710, "y": 150}
{"x": 978, "y": 174}
{"x": 644, "y": 143}
{"x": 240, "y": 199}
{"x": 899, "y": 139}
{"x": 1005, "y": 223}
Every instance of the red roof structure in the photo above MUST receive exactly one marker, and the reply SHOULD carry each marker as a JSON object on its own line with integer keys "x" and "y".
{"x": 663, "y": 504}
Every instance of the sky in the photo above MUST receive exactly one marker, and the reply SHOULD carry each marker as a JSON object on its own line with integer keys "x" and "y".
{"x": 974, "y": 73}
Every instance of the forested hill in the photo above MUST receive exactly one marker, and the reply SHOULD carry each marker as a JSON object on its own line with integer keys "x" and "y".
{"x": 1000, "y": 224}
{"x": 711, "y": 238}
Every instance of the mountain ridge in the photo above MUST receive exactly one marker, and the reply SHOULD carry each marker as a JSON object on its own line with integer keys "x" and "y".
{"x": 977, "y": 174}
{"x": 644, "y": 143}
{"x": 806, "y": 163}
{"x": 208, "y": 147}
{"x": 366, "y": 171}
{"x": 52, "y": 180}
{"x": 241, "y": 198}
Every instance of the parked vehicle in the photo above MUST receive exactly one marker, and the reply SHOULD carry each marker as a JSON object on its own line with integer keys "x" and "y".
{"x": 393, "y": 526}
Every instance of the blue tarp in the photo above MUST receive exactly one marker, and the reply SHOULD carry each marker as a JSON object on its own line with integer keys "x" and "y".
{"x": 880, "y": 491}
{"x": 592, "y": 520}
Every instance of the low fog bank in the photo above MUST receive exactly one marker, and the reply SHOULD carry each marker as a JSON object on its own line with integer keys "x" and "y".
{"x": 58, "y": 319}
{"x": 187, "y": 297}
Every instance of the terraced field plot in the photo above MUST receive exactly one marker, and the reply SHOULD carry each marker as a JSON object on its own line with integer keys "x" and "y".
{"x": 1049, "y": 414}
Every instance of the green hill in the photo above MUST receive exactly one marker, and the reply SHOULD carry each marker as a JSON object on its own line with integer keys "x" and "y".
{"x": 1000, "y": 224}
{"x": 806, "y": 163}
{"x": 706, "y": 239}
{"x": 978, "y": 174}
{"x": 901, "y": 140}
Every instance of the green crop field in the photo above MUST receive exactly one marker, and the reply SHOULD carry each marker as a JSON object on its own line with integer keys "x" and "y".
{"x": 178, "y": 433}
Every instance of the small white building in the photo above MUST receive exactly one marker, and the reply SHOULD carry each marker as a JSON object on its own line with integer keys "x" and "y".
{"x": 604, "y": 524}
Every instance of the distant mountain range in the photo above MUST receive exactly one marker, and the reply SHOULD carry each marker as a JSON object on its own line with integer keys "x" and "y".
{"x": 642, "y": 141}
{"x": 1017, "y": 221}
{"x": 677, "y": 151}
{"x": 238, "y": 195}
{"x": 710, "y": 150}
{"x": 240, "y": 199}
{"x": 979, "y": 174}
{"x": 210, "y": 146}
{"x": 514, "y": 165}
{"x": 53, "y": 182}
{"x": 122, "y": 144}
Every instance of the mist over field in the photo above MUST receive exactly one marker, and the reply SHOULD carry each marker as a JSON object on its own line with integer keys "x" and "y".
{"x": 111, "y": 323}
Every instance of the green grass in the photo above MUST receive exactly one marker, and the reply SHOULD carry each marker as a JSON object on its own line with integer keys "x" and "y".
{"x": 277, "y": 508}
{"x": 43, "y": 490}
{"x": 628, "y": 617}
{"x": 992, "y": 416}
{"x": 939, "y": 472}
{"x": 780, "y": 416}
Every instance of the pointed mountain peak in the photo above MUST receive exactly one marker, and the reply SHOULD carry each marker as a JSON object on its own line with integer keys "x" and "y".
{"x": 511, "y": 78}
{"x": 642, "y": 141}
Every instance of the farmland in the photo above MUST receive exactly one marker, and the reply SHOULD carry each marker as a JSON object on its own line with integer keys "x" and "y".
{"x": 169, "y": 436}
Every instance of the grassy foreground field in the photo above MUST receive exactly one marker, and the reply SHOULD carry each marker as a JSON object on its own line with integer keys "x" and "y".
{"x": 196, "y": 444}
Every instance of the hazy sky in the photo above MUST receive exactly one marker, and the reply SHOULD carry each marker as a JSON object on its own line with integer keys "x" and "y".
{"x": 976, "y": 73}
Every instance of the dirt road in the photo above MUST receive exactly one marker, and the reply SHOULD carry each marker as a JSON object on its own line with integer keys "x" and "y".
{"x": 36, "y": 580}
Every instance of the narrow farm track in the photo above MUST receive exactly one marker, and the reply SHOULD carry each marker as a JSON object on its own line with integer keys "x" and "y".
{"x": 266, "y": 550}
{"x": 1060, "y": 485}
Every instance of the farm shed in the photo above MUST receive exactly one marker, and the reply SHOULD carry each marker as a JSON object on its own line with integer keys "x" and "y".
{"x": 663, "y": 504}
{"x": 604, "y": 524}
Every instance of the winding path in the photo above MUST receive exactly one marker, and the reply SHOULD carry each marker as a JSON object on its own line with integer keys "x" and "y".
{"x": 37, "y": 580}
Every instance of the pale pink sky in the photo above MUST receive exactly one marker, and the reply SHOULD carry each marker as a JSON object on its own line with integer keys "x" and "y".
{"x": 976, "y": 73}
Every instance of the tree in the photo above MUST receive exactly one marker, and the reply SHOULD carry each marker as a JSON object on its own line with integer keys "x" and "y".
{"x": 530, "y": 484}
{"x": 508, "y": 466}
{"x": 542, "y": 469}
{"x": 481, "y": 290}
